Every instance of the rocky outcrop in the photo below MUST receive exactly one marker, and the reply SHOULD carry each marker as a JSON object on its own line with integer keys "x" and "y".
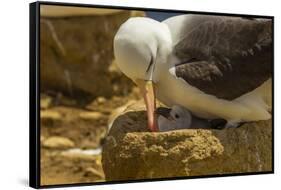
{"x": 76, "y": 52}
{"x": 70, "y": 11}
{"x": 131, "y": 152}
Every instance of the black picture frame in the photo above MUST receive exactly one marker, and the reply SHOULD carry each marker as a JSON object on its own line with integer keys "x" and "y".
{"x": 34, "y": 93}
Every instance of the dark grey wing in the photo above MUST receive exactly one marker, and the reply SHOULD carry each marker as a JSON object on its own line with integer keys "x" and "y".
{"x": 225, "y": 56}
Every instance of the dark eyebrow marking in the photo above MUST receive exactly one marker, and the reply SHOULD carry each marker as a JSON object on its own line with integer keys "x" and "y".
{"x": 151, "y": 61}
{"x": 150, "y": 64}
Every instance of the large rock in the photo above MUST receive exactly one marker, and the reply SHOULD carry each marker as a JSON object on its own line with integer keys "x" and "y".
{"x": 70, "y": 11}
{"x": 76, "y": 52}
{"x": 131, "y": 152}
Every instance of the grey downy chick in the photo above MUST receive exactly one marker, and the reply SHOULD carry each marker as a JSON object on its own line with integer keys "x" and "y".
{"x": 181, "y": 118}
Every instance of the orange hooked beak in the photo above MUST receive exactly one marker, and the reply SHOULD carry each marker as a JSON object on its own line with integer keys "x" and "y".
{"x": 148, "y": 93}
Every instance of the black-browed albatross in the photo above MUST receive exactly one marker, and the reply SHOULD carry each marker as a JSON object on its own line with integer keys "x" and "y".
{"x": 215, "y": 66}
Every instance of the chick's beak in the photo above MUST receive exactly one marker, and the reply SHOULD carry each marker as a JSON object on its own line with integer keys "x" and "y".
{"x": 148, "y": 93}
{"x": 165, "y": 112}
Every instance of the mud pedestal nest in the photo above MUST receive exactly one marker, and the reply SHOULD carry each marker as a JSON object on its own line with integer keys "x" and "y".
{"x": 131, "y": 152}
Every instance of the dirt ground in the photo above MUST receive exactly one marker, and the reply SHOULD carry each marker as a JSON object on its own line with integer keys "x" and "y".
{"x": 72, "y": 134}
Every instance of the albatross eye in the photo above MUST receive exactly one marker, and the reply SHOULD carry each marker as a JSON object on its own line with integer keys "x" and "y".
{"x": 177, "y": 116}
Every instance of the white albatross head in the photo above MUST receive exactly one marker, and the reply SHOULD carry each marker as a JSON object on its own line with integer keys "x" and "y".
{"x": 139, "y": 45}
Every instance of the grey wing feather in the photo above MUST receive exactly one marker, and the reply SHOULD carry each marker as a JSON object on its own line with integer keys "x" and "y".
{"x": 225, "y": 56}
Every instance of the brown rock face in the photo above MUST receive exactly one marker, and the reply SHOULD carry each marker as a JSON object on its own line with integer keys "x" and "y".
{"x": 76, "y": 53}
{"x": 131, "y": 152}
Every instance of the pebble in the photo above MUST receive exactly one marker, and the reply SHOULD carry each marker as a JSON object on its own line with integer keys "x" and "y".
{"x": 94, "y": 173}
{"x": 50, "y": 118}
{"x": 45, "y": 102}
{"x": 91, "y": 115}
{"x": 57, "y": 142}
{"x": 101, "y": 100}
{"x": 42, "y": 138}
{"x": 47, "y": 114}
